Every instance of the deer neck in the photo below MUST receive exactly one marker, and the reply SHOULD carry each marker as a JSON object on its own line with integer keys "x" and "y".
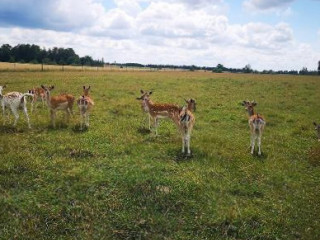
{"x": 251, "y": 112}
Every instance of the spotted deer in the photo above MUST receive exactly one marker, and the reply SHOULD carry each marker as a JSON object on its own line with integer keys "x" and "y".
{"x": 62, "y": 102}
{"x": 256, "y": 123}
{"x": 14, "y": 101}
{"x": 181, "y": 116}
{"x": 38, "y": 94}
{"x": 85, "y": 104}
{"x": 317, "y": 128}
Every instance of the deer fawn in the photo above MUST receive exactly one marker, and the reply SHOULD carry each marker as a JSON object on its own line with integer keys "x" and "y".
{"x": 63, "y": 102}
{"x": 317, "y": 128}
{"x": 182, "y": 117}
{"x": 85, "y": 104}
{"x": 256, "y": 123}
{"x": 14, "y": 101}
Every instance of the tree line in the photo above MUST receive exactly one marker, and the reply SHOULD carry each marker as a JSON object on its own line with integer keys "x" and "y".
{"x": 31, "y": 53}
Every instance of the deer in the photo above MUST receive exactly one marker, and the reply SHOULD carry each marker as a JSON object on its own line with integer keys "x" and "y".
{"x": 317, "y": 128}
{"x": 62, "y": 102}
{"x": 181, "y": 116}
{"x": 85, "y": 104}
{"x": 256, "y": 124}
{"x": 38, "y": 94}
{"x": 14, "y": 101}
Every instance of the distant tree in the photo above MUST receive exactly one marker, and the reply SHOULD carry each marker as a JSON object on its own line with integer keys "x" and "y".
{"x": 303, "y": 71}
{"x": 247, "y": 69}
{"x": 5, "y": 53}
{"x": 319, "y": 67}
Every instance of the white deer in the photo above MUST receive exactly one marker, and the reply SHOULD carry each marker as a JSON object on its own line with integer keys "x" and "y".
{"x": 62, "y": 102}
{"x": 85, "y": 104}
{"x": 256, "y": 123}
{"x": 14, "y": 101}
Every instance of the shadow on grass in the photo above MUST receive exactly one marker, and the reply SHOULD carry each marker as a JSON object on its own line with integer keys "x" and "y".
{"x": 77, "y": 129}
{"x": 178, "y": 156}
{"x": 7, "y": 129}
{"x": 143, "y": 131}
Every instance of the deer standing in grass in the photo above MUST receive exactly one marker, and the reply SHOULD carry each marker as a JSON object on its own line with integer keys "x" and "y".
{"x": 14, "y": 101}
{"x": 182, "y": 117}
{"x": 38, "y": 94}
{"x": 256, "y": 123}
{"x": 85, "y": 104}
{"x": 62, "y": 102}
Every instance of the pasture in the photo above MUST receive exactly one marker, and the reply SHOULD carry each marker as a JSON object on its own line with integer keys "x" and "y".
{"x": 118, "y": 181}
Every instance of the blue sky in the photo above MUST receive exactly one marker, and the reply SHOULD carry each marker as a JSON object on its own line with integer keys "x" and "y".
{"x": 267, "y": 34}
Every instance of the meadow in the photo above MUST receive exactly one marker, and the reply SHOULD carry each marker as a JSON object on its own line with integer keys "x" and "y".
{"x": 116, "y": 180}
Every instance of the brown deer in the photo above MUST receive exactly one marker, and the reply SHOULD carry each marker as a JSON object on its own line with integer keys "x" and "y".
{"x": 256, "y": 123}
{"x": 85, "y": 104}
{"x": 181, "y": 116}
{"x": 62, "y": 102}
{"x": 38, "y": 94}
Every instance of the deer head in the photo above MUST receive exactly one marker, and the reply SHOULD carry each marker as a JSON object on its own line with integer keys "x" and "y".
{"x": 249, "y": 106}
{"x": 86, "y": 90}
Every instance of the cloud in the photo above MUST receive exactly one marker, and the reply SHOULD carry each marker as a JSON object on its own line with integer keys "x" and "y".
{"x": 62, "y": 15}
{"x": 153, "y": 31}
{"x": 264, "y": 5}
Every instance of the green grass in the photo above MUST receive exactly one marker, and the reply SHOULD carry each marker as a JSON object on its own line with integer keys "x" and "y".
{"x": 117, "y": 181}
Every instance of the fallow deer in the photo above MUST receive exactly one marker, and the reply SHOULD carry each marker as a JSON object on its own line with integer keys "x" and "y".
{"x": 256, "y": 123}
{"x": 14, "y": 101}
{"x": 38, "y": 94}
{"x": 85, "y": 104}
{"x": 182, "y": 117}
{"x": 317, "y": 128}
{"x": 157, "y": 110}
{"x": 62, "y": 102}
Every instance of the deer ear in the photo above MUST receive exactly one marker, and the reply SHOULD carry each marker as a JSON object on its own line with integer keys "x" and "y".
{"x": 4, "y": 86}
{"x": 89, "y": 87}
{"x": 150, "y": 93}
{"x": 254, "y": 103}
{"x": 141, "y": 91}
{"x": 42, "y": 86}
{"x": 84, "y": 87}
{"x": 243, "y": 103}
{"x": 314, "y": 123}
{"x": 52, "y": 87}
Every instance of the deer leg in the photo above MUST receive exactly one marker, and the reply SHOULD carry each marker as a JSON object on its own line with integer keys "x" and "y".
{"x": 26, "y": 114}
{"x": 16, "y": 115}
{"x": 253, "y": 139}
{"x": 259, "y": 144}
{"x": 156, "y": 125}
{"x": 149, "y": 121}
{"x": 183, "y": 144}
{"x": 4, "y": 114}
{"x": 87, "y": 119}
{"x": 53, "y": 118}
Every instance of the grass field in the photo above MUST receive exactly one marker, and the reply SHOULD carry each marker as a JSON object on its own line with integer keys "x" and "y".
{"x": 118, "y": 181}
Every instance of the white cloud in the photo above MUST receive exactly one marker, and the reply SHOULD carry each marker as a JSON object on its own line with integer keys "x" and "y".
{"x": 165, "y": 32}
{"x": 266, "y": 4}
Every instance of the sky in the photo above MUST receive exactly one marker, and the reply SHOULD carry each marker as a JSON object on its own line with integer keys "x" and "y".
{"x": 267, "y": 34}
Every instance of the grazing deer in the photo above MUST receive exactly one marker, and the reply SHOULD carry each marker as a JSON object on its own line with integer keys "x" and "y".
{"x": 85, "y": 103}
{"x": 182, "y": 117}
{"x": 14, "y": 101}
{"x": 63, "y": 102}
{"x": 38, "y": 94}
{"x": 256, "y": 123}
{"x": 317, "y": 128}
